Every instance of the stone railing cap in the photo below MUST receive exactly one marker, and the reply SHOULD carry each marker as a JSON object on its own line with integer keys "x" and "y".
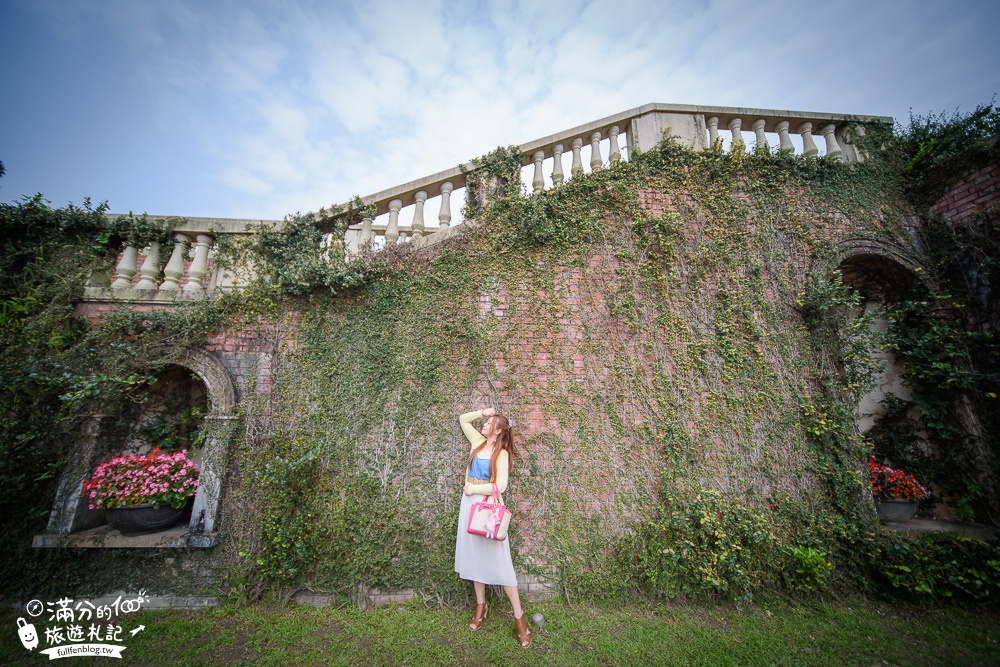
{"x": 210, "y": 225}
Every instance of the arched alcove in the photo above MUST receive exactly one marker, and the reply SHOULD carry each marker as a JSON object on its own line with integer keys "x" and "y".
{"x": 881, "y": 280}
{"x": 889, "y": 416}
{"x": 883, "y": 272}
{"x": 193, "y": 399}
{"x": 172, "y": 414}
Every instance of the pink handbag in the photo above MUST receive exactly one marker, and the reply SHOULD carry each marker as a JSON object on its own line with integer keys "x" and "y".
{"x": 490, "y": 519}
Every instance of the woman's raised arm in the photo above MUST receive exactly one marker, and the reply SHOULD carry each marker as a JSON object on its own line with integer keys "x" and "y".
{"x": 475, "y": 437}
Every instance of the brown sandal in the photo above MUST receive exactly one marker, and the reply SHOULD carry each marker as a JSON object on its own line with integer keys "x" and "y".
{"x": 523, "y": 633}
{"x": 478, "y": 617}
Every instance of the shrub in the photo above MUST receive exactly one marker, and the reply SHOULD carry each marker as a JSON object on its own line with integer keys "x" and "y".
{"x": 941, "y": 567}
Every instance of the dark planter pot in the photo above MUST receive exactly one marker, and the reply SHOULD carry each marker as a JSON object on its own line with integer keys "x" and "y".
{"x": 144, "y": 519}
{"x": 895, "y": 510}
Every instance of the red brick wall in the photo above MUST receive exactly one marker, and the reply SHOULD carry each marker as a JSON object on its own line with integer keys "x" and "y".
{"x": 976, "y": 192}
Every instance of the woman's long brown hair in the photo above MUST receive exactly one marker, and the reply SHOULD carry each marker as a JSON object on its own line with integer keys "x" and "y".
{"x": 504, "y": 442}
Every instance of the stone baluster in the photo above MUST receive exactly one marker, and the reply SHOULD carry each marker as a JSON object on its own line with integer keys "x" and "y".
{"x": 150, "y": 270}
{"x": 417, "y": 227}
{"x": 615, "y": 154}
{"x": 734, "y": 127}
{"x": 444, "y": 216}
{"x": 538, "y": 181}
{"x": 577, "y": 168}
{"x": 713, "y": 130}
{"x": 366, "y": 231}
{"x": 98, "y": 278}
{"x": 126, "y": 267}
{"x": 758, "y": 131}
{"x": 174, "y": 270}
{"x": 557, "y": 166}
{"x": 199, "y": 265}
{"x": 808, "y": 145}
{"x": 785, "y": 144}
{"x": 392, "y": 229}
{"x": 596, "y": 161}
{"x": 849, "y": 136}
{"x": 832, "y": 147}
{"x": 843, "y": 140}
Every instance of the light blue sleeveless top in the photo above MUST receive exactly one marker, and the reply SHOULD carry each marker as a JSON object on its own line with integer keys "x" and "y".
{"x": 480, "y": 469}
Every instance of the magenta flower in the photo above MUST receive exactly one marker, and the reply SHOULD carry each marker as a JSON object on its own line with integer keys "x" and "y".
{"x": 134, "y": 479}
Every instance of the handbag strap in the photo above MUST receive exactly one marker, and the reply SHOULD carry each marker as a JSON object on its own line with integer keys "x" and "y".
{"x": 496, "y": 494}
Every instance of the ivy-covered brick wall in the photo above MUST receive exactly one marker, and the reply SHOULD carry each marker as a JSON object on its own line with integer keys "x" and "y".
{"x": 647, "y": 327}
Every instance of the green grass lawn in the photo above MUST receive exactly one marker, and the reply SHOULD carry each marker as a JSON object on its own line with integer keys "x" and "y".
{"x": 845, "y": 633}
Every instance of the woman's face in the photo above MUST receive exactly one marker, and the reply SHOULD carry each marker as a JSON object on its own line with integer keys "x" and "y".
{"x": 489, "y": 425}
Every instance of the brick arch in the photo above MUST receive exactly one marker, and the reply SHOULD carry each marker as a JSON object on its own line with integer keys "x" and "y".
{"x": 880, "y": 269}
{"x": 222, "y": 396}
{"x": 211, "y": 371}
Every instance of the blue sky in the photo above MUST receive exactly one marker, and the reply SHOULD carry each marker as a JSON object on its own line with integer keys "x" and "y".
{"x": 260, "y": 109}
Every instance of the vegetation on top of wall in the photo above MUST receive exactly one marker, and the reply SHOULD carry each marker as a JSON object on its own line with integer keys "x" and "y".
{"x": 936, "y": 149}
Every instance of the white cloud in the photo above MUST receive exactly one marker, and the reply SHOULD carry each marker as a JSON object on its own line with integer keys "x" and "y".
{"x": 290, "y": 107}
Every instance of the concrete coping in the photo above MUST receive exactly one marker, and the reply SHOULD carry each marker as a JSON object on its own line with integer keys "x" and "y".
{"x": 104, "y": 537}
{"x": 211, "y": 226}
{"x": 915, "y": 527}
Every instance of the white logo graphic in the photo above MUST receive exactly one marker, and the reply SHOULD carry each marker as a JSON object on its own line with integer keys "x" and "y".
{"x": 29, "y": 636}
{"x": 85, "y": 629}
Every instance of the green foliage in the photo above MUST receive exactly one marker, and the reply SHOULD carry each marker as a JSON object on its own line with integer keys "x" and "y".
{"x": 707, "y": 545}
{"x": 288, "y": 531}
{"x": 941, "y": 567}
{"x": 933, "y": 345}
{"x": 925, "y": 435}
{"x": 810, "y": 568}
{"x": 298, "y": 256}
{"x": 56, "y": 369}
{"x": 178, "y": 427}
{"x": 937, "y": 148}
{"x": 494, "y": 176}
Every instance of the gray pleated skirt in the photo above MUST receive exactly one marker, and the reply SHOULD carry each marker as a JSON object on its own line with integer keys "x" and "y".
{"x": 480, "y": 559}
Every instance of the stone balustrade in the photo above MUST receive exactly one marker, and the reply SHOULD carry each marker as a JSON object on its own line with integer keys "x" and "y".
{"x": 400, "y": 211}
{"x": 405, "y": 213}
{"x": 181, "y": 270}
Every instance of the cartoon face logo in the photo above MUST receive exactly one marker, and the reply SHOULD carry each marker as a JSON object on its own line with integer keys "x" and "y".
{"x": 26, "y": 631}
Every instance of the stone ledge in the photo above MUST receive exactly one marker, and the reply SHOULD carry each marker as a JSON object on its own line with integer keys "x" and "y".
{"x": 133, "y": 296}
{"x": 917, "y": 526}
{"x": 103, "y": 537}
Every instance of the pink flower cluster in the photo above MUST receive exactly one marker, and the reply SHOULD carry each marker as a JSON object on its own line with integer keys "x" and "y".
{"x": 133, "y": 479}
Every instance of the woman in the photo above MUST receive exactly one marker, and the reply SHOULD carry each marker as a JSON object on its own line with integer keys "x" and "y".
{"x": 481, "y": 560}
